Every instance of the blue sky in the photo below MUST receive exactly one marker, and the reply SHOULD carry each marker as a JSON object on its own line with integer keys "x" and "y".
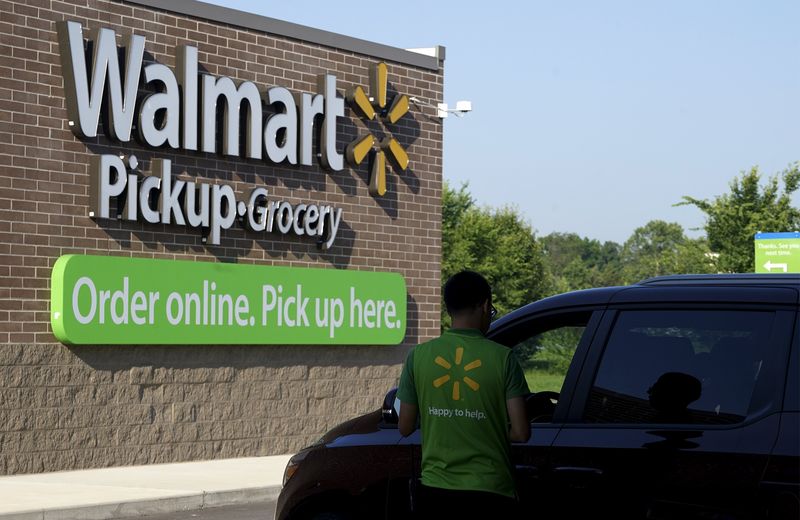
{"x": 596, "y": 117}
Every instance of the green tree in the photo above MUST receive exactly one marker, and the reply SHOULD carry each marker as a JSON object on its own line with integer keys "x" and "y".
{"x": 575, "y": 263}
{"x": 660, "y": 248}
{"x": 695, "y": 257}
{"x": 494, "y": 242}
{"x": 733, "y": 219}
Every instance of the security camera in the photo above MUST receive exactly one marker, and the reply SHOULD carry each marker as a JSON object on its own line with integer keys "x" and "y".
{"x": 442, "y": 110}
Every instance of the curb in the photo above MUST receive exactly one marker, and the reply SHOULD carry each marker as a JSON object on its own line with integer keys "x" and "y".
{"x": 151, "y": 506}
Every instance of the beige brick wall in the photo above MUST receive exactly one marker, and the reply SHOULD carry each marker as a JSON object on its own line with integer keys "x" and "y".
{"x": 66, "y": 407}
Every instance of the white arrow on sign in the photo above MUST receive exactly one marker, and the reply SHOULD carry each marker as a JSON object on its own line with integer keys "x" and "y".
{"x": 769, "y": 265}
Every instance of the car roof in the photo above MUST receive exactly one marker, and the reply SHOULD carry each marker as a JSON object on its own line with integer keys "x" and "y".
{"x": 723, "y": 280}
{"x": 604, "y": 295}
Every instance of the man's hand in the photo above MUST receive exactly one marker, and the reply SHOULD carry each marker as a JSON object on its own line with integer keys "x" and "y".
{"x": 408, "y": 419}
{"x": 520, "y": 427}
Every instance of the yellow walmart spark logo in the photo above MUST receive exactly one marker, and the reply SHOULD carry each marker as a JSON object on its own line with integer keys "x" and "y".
{"x": 442, "y": 362}
{"x": 369, "y": 107}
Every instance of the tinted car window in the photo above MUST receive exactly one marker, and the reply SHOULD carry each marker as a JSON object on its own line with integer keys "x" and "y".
{"x": 697, "y": 366}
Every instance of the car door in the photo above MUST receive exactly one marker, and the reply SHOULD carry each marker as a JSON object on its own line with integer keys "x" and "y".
{"x": 674, "y": 415}
{"x": 551, "y": 347}
{"x": 780, "y": 485}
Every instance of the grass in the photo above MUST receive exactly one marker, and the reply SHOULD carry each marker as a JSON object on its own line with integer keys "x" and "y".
{"x": 539, "y": 380}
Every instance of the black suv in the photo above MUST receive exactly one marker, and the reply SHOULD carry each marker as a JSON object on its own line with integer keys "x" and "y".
{"x": 680, "y": 400}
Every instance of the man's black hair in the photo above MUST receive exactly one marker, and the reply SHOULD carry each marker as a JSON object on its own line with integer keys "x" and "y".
{"x": 465, "y": 290}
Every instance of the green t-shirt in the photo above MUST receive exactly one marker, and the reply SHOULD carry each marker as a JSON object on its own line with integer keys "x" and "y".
{"x": 461, "y": 381}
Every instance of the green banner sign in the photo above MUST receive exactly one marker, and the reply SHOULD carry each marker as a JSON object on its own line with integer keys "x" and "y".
{"x": 116, "y": 300}
{"x": 777, "y": 252}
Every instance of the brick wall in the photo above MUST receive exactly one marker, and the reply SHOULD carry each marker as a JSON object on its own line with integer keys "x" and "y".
{"x": 66, "y": 407}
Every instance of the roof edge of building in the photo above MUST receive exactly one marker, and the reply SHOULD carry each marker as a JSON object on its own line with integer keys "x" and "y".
{"x": 277, "y": 27}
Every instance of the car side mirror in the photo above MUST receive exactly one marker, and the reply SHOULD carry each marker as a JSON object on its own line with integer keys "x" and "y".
{"x": 391, "y": 407}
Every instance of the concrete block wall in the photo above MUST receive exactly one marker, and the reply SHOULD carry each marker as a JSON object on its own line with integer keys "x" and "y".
{"x": 69, "y": 407}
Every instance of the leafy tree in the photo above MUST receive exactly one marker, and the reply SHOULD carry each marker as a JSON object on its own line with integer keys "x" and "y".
{"x": 652, "y": 250}
{"x": 495, "y": 243}
{"x": 574, "y": 262}
{"x": 455, "y": 204}
{"x": 695, "y": 257}
{"x": 660, "y": 248}
{"x": 733, "y": 219}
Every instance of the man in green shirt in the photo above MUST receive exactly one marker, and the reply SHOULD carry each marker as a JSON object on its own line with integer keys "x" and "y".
{"x": 466, "y": 391}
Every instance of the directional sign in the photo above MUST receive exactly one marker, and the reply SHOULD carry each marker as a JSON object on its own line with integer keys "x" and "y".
{"x": 777, "y": 252}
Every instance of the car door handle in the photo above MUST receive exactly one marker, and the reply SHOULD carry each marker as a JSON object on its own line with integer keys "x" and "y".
{"x": 577, "y": 470}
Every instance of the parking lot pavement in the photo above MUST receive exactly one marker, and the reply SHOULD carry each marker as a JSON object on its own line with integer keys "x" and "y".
{"x": 256, "y": 511}
{"x": 140, "y": 490}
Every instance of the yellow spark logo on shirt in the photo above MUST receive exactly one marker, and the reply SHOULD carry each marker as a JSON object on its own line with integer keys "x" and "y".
{"x": 442, "y": 362}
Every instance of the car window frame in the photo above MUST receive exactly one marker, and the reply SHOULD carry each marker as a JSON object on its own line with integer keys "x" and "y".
{"x": 791, "y": 394}
{"x": 772, "y": 383}
{"x": 573, "y": 373}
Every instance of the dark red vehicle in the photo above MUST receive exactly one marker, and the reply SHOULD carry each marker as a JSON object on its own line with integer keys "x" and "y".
{"x": 681, "y": 401}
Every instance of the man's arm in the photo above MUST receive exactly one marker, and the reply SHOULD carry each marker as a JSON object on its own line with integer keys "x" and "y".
{"x": 408, "y": 418}
{"x": 407, "y": 394}
{"x": 520, "y": 427}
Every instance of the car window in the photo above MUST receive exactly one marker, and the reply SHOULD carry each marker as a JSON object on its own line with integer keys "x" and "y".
{"x": 665, "y": 366}
{"x": 545, "y": 349}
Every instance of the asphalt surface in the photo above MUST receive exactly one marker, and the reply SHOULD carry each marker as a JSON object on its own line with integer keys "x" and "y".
{"x": 261, "y": 511}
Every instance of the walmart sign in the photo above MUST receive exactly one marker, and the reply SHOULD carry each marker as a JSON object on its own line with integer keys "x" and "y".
{"x": 116, "y": 300}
